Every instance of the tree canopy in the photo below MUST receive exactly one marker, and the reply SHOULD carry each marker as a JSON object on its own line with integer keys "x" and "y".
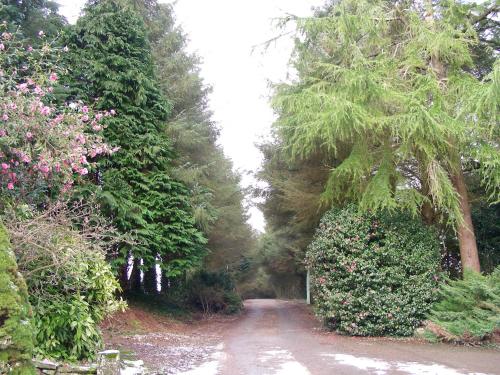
{"x": 389, "y": 91}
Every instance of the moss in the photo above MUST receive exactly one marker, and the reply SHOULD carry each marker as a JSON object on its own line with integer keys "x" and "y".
{"x": 16, "y": 339}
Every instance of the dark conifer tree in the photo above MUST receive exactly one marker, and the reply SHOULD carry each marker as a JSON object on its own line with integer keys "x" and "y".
{"x": 111, "y": 64}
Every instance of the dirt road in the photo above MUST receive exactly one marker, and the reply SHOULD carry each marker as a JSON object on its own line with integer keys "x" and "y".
{"x": 281, "y": 338}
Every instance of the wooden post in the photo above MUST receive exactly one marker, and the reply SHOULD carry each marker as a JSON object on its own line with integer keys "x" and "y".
{"x": 308, "y": 288}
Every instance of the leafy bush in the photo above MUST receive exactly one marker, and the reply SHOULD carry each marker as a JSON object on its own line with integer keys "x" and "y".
{"x": 71, "y": 286}
{"x": 373, "y": 275}
{"x": 469, "y": 309}
{"x": 67, "y": 317}
{"x": 214, "y": 292}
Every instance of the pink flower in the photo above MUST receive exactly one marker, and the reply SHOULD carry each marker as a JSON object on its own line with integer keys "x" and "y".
{"x": 98, "y": 116}
{"x": 23, "y": 87}
{"x": 45, "y": 110}
{"x": 85, "y": 118}
{"x": 50, "y": 89}
{"x": 85, "y": 109}
{"x": 44, "y": 168}
{"x": 5, "y": 117}
{"x": 83, "y": 160}
{"x": 38, "y": 90}
{"x": 80, "y": 138}
{"x": 13, "y": 106}
{"x": 83, "y": 171}
{"x": 5, "y": 166}
{"x": 97, "y": 127}
{"x": 41, "y": 33}
{"x": 30, "y": 82}
{"x": 3, "y": 133}
{"x": 67, "y": 186}
{"x": 53, "y": 77}
{"x": 10, "y": 186}
{"x": 6, "y": 35}
{"x": 113, "y": 112}
{"x": 57, "y": 167}
{"x": 29, "y": 135}
{"x": 2, "y": 47}
{"x": 30, "y": 49}
{"x": 25, "y": 158}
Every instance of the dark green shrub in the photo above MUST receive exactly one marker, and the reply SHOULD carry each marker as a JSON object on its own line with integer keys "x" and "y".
{"x": 214, "y": 292}
{"x": 468, "y": 309}
{"x": 373, "y": 275}
{"x": 16, "y": 337}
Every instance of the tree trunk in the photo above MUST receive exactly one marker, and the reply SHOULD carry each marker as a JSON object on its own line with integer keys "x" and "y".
{"x": 150, "y": 281}
{"x": 124, "y": 281}
{"x": 466, "y": 237}
{"x": 135, "y": 277}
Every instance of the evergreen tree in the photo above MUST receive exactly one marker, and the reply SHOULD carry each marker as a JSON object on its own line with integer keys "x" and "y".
{"x": 390, "y": 91}
{"x": 292, "y": 211}
{"x": 32, "y": 16}
{"x": 111, "y": 64}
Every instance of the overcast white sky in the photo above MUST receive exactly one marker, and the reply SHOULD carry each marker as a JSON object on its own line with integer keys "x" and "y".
{"x": 223, "y": 33}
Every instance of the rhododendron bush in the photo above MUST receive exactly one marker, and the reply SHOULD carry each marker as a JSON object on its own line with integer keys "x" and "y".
{"x": 61, "y": 249}
{"x": 43, "y": 146}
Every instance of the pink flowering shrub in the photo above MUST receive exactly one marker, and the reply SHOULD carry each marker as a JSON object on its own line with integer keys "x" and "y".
{"x": 42, "y": 145}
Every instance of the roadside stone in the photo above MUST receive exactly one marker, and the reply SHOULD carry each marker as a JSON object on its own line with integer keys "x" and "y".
{"x": 45, "y": 365}
{"x": 108, "y": 362}
{"x": 77, "y": 370}
{"x": 132, "y": 367}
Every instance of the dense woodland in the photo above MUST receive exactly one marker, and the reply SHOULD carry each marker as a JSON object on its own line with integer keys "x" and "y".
{"x": 383, "y": 174}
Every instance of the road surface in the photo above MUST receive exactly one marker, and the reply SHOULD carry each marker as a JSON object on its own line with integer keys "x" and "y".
{"x": 282, "y": 338}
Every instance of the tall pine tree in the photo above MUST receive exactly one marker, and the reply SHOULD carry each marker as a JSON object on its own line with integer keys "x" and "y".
{"x": 111, "y": 64}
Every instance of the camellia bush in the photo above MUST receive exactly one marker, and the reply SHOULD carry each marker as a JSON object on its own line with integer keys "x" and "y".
{"x": 373, "y": 275}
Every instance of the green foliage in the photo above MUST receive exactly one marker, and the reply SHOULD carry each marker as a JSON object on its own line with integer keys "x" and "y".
{"x": 68, "y": 313}
{"x": 31, "y": 17}
{"x": 487, "y": 223}
{"x": 111, "y": 63}
{"x": 366, "y": 71}
{"x": 214, "y": 292}
{"x": 373, "y": 275}
{"x": 469, "y": 309}
{"x": 61, "y": 254}
{"x": 16, "y": 338}
{"x": 292, "y": 210}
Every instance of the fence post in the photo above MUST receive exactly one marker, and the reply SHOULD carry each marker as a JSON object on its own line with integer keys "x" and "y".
{"x": 308, "y": 288}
